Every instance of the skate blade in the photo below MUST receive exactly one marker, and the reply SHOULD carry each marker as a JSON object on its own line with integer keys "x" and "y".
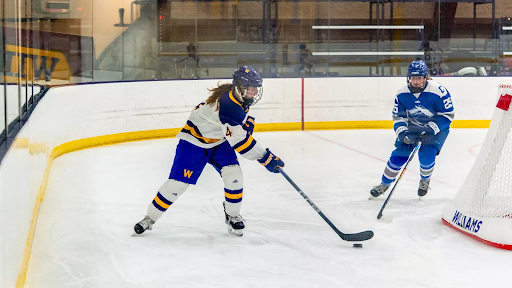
{"x": 134, "y": 234}
{"x": 236, "y": 232}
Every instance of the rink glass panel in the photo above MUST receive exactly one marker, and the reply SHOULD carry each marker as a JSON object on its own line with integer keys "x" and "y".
{"x": 95, "y": 41}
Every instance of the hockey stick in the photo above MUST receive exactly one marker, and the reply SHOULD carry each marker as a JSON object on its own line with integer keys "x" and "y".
{"x": 361, "y": 236}
{"x": 398, "y": 180}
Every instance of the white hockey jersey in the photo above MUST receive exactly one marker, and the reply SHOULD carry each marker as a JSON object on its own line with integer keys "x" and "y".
{"x": 209, "y": 126}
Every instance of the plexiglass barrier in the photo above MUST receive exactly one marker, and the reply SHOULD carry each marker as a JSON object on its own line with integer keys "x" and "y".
{"x": 54, "y": 42}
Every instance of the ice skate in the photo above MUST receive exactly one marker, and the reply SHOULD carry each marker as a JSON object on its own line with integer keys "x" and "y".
{"x": 423, "y": 188}
{"x": 379, "y": 190}
{"x": 235, "y": 224}
{"x": 143, "y": 225}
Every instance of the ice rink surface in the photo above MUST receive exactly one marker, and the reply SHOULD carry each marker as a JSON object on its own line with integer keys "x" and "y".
{"x": 95, "y": 196}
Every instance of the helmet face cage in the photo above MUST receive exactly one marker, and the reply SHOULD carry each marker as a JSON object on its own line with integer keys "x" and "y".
{"x": 417, "y": 68}
{"x": 245, "y": 77}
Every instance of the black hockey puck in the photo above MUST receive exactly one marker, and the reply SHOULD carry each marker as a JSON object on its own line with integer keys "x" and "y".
{"x": 357, "y": 245}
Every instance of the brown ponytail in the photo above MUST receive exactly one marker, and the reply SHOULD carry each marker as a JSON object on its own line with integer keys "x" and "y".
{"x": 218, "y": 91}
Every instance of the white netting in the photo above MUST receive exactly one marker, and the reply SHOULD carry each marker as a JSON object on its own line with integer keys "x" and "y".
{"x": 486, "y": 195}
{"x": 493, "y": 193}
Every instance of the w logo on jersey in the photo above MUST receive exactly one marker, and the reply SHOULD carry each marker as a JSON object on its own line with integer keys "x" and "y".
{"x": 188, "y": 173}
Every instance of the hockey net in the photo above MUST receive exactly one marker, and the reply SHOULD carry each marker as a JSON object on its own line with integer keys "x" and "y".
{"x": 483, "y": 206}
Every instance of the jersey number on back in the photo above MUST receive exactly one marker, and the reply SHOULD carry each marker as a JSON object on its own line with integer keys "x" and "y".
{"x": 228, "y": 132}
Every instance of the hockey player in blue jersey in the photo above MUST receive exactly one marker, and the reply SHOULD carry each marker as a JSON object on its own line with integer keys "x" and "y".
{"x": 216, "y": 129}
{"x": 423, "y": 112}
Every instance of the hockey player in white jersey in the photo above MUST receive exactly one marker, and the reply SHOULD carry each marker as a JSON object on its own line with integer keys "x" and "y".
{"x": 216, "y": 129}
{"x": 423, "y": 111}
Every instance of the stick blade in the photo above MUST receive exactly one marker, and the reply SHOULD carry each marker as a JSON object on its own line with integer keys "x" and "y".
{"x": 385, "y": 219}
{"x": 361, "y": 236}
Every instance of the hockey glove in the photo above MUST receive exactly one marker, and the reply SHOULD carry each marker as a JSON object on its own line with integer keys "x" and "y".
{"x": 406, "y": 138}
{"x": 431, "y": 128}
{"x": 415, "y": 130}
{"x": 429, "y": 131}
{"x": 271, "y": 162}
{"x": 249, "y": 125}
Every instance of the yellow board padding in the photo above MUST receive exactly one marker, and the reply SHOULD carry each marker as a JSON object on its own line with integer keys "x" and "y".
{"x": 383, "y": 124}
{"x": 20, "y": 143}
{"x": 471, "y": 123}
{"x": 369, "y": 124}
{"x": 270, "y": 127}
{"x": 35, "y": 214}
{"x": 33, "y": 148}
{"x": 372, "y": 124}
{"x": 114, "y": 139}
{"x": 169, "y": 133}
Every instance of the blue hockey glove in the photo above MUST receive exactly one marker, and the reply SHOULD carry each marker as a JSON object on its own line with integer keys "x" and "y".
{"x": 409, "y": 140}
{"x": 431, "y": 128}
{"x": 406, "y": 138}
{"x": 249, "y": 125}
{"x": 429, "y": 131}
{"x": 271, "y": 162}
{"x": 415, "y": 129}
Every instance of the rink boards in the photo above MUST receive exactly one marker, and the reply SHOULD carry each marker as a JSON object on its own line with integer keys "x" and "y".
{"x": 71, "y": 118}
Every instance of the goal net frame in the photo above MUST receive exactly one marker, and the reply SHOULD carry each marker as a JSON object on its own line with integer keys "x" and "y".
{"x": 482, "y": 208}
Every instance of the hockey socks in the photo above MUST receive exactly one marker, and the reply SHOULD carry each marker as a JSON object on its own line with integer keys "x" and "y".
{"x": 168, "y": 193}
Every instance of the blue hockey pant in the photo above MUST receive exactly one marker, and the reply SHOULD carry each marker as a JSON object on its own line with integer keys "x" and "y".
{"x": 426, "y": 154}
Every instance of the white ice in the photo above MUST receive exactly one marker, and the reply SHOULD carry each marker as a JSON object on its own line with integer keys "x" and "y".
{"x": 95, "y": 196}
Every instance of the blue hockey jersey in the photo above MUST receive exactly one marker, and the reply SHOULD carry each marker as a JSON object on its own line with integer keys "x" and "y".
{"x": 432, "y": 107}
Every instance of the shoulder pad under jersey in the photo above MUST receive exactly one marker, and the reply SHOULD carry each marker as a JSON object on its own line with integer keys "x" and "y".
{"x": 230, "y": 110}
{"x": 402, "y": 90}
{"x": 436, "y": 88}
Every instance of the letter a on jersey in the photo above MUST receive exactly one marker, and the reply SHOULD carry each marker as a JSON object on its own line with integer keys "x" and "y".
{"x": 188, "y": 173}
{"x": 228, "y": 132}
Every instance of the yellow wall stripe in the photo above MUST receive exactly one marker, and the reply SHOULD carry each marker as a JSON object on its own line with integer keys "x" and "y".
{"x": 375, "y": 124}
{"x": 370, "y": 124}
{"x": 168, "y": 133}
{"x": 267, "y": 127}
{"x": 471, "y": 123}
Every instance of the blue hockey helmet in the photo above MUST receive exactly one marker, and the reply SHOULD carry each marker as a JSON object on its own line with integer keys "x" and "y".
{"x": 244, "y": 77}
{"x": 417, "y": 68}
